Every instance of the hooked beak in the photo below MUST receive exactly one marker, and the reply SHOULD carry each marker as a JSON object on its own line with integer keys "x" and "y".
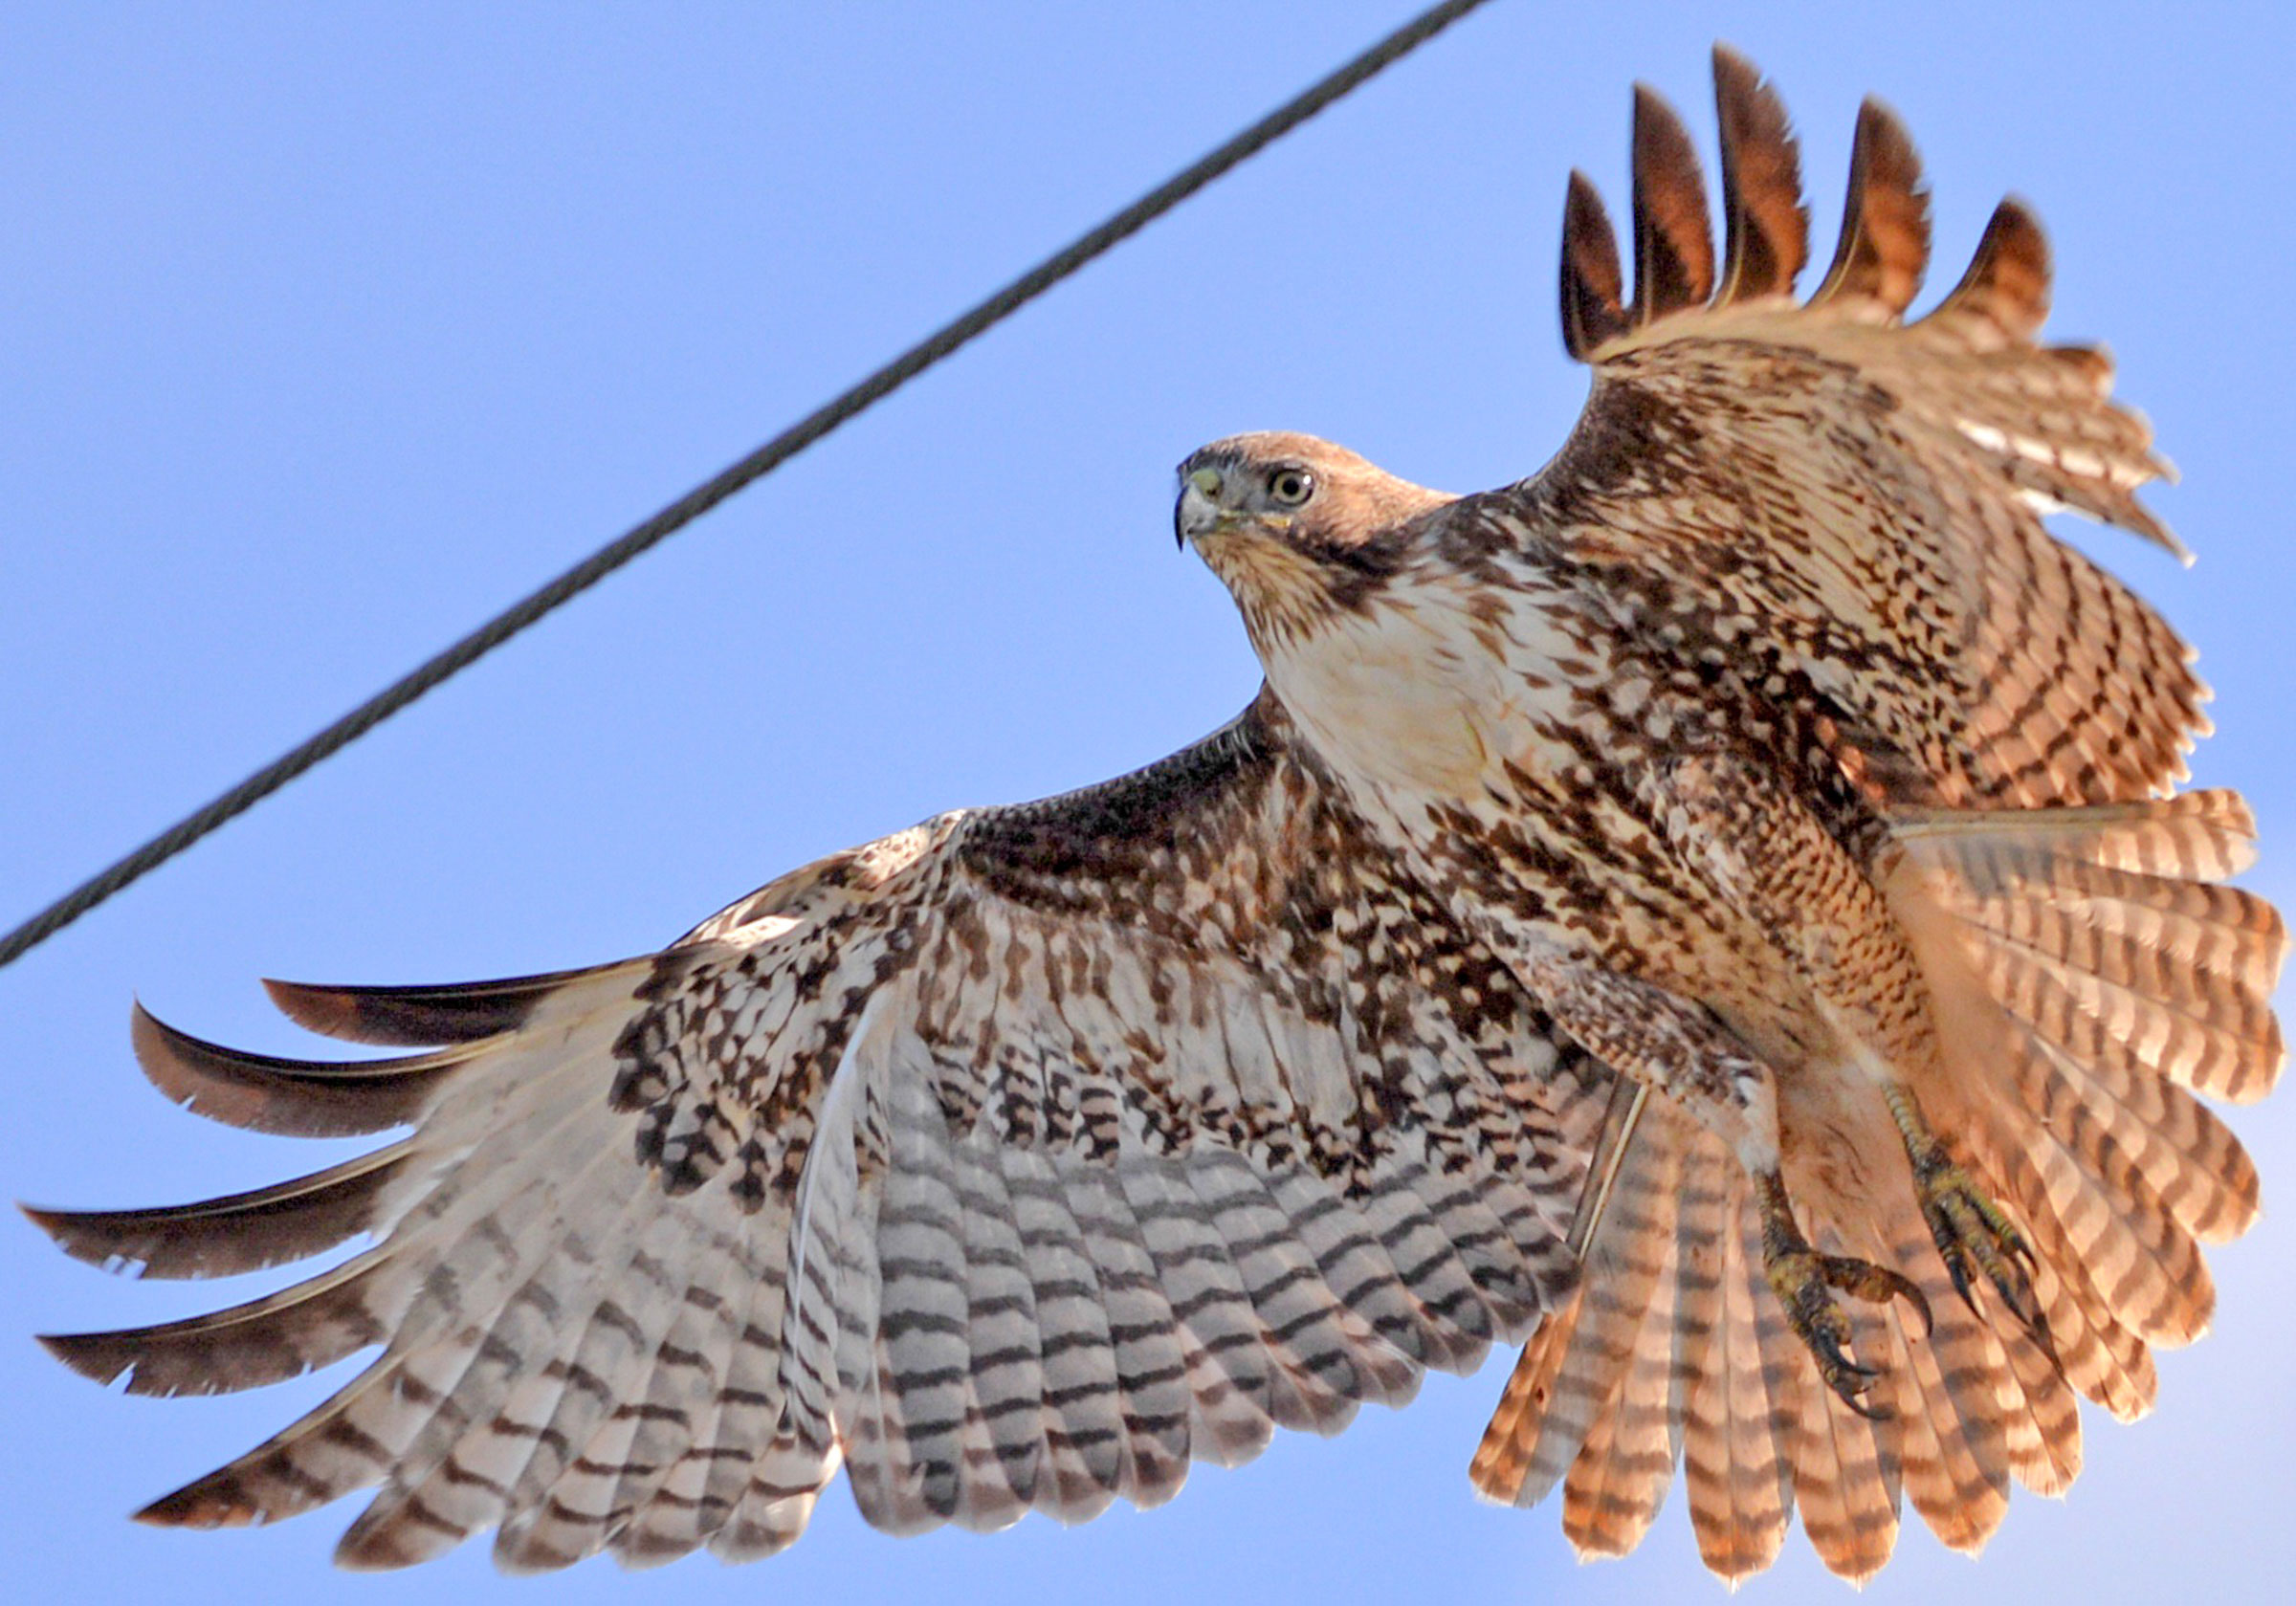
{"x": 1197, "y": 513}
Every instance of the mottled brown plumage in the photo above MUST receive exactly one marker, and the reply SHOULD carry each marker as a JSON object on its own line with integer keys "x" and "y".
{"x": 1713, "y": 910}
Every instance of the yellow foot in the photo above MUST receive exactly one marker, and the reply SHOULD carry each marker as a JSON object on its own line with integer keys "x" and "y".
{"x": 1974, "y": 1236}
{"x": 1801, "y": 1277}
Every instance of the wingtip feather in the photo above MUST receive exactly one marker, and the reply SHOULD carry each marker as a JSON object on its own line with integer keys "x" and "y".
{"x": 292, "y": 1098}
{"x": 2006, "y": 285}
{"x": 1765, "y": 225}
{"x": 1673, "y": 242}
{"x": 416, "y": 1016}
{"x": 1884, "y": 248}
{"x": 1592, "y": 284}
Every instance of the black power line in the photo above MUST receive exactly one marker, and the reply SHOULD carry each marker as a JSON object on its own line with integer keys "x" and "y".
{"x": 707, "y": 495}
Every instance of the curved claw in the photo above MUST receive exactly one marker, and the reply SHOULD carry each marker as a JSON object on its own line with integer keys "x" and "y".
{"x": 1872, "y": 1413}
{"x": 1877, "y": 1285}
{"x": 1801, "y": 1277}
{"x": 1848, "y": 1380}
{"x": 1974, "y": 1236}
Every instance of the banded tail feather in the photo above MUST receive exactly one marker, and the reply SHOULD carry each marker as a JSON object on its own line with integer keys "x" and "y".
{"x": 2075, "y": 1101}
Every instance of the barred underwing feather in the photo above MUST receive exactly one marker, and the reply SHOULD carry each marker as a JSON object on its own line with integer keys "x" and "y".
{"x": 696, "y": 1493}
{"x": 923, "y": 1329}
{"x": 1486, "y": 1250}
{"x": 1083, "y": 1425}
{"x": 1151, "y": 1371}
{"x": 450, "y": 1464}
{"x": 774, "y": 1507}
{"x": 1427, "y": 1264}
{"x": 1356, "y": 1265}
{"x": 1002, "y": 1439}
{"x": 682, "y": 1408}
{"x": 688, "y": 1363}
{"x": 347, "y": 1442}
{"x": 1311, "y": 1387}
{"x": 564, "y": 1494}
{"x": 694, "y": 1502}
{"x": 1228, "y": 1367}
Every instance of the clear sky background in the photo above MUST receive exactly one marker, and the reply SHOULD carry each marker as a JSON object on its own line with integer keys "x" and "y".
{"x": 327, "y": 330}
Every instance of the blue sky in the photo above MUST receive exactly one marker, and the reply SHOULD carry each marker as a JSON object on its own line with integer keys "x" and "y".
{"x": 329, "y": 330}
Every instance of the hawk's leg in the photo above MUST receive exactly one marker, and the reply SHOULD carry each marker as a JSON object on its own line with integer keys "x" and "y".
{"x": 1800, "y": 1278}
{"x": 1973, "y": 1235}
{"x": 1814, "y": 894}
{"x": 1681, "y": 1049}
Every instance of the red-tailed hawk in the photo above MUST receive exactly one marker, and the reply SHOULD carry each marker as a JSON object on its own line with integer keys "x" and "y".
{"x": 1712, "y": 910}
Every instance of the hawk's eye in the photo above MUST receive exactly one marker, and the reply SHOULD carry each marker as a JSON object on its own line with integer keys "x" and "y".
{"x": 1290, "y": 486}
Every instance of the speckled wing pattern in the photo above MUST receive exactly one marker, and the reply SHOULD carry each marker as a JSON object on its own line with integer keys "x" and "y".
{"x": 1011, "y": 1161}
{"x": 1826, "y": 496}
{"x": 1827, "y": 507}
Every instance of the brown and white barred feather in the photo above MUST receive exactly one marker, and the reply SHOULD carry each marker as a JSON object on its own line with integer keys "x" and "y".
{"x": 2090, "y": 976}
{"x": 1877, "y": 542}
{"x": 1011, "y": 1163}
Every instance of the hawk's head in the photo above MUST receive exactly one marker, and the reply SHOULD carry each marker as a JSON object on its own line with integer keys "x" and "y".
{"x": 1297, "y": 528}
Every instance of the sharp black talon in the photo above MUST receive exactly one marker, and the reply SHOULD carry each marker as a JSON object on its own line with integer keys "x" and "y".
{"x": 1921, "y": 1302}
{"x": 1872, "y": 1413}
{"x": 1838, "y": 1358}
{"x": 2028, "y": 1312}
{"x": 1960, "y": 1276}
{"x": 1903, "y": 1286}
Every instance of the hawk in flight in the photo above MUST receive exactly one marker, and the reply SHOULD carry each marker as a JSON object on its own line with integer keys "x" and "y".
{"x": 1715, "y": 911}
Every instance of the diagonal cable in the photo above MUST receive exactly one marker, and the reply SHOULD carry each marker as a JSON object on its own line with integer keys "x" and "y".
{"x": 756, "y": 466}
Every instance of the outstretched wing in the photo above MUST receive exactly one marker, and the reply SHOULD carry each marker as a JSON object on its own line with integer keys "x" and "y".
{"x": 1833, "y": 499}
{"x": 1819, "y": 504}
{"x": 1014, "y": 1160}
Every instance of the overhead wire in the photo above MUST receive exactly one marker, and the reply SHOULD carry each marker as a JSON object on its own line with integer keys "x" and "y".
{"x": 942, "y": 344}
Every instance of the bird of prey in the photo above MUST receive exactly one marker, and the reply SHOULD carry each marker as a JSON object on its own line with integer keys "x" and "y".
{"x": 1716, "y": 912}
